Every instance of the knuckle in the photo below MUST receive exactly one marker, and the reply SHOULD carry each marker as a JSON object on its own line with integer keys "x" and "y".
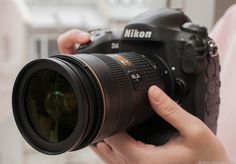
{"x": 169, "y": 109}
{"x": 197, "y": 130}
{"x": 134, "y": 159}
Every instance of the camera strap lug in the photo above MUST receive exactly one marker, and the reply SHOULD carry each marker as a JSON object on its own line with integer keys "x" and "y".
{"x": 212, "y": 48}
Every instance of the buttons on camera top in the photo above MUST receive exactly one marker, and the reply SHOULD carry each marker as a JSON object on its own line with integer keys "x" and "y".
{"x": 98, "y": 33}
{"x": 83, "y": 46}
{"x": 212, "y": 48}
{"x": 94, "y": 35}
{"x": 194, "y": 28}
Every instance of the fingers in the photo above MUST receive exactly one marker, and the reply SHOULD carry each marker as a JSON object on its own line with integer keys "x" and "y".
{"x": 104, "y": 151}
{"x": 66, "y": 42}
{"x": 124, "y": 145}
{"x": 169, "y": 110}
{"x": 107, "y": 154}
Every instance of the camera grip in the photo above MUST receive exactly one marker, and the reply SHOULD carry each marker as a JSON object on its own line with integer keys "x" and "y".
{"x": 203, "y": 74}
{"x": 212, "y": 94}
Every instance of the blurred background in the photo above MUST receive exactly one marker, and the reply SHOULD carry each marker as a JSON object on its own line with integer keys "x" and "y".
{"x": 29, "y": 29}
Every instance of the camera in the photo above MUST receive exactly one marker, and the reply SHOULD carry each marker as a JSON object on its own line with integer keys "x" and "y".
{"x": 67, "y": 102}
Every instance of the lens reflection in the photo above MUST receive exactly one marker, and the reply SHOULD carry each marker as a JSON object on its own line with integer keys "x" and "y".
{"x": 51, "y": 105}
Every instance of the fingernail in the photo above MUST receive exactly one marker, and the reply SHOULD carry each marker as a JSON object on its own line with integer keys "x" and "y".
{"x": 155, "y": 93}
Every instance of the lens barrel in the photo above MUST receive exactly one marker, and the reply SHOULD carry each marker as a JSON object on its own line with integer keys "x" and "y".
{"x": 65, "y": 103}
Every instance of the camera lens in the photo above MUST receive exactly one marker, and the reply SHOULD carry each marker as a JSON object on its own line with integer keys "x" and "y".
{"x": 51, "y": 105}
{"x": 64, "y": 103}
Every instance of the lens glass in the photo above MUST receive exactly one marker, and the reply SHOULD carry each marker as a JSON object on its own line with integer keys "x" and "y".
{"x": 51, "y": 105}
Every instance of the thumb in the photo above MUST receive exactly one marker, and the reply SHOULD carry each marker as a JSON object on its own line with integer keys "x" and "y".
{"x": 169, "y": 110}
{"x": 66, "y": 42}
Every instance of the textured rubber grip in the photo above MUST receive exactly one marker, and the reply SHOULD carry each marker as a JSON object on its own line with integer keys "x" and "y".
{"x": 212, "y": 98}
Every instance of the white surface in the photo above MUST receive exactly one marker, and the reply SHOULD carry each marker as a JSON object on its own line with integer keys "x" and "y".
{"x": 11, "y": 150}
{"x": 14, "y": 150}
{"x": 57, "y": 16}
{"x": 12, "y": 49}
{"x": 125, "y": 10}
{"x": 5, "y": 96}
{"x": 201, "y": 12}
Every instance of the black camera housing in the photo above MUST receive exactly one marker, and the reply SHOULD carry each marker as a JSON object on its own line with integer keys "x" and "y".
{"x": 67, "y": 102}
{"x": 186, "y": 57}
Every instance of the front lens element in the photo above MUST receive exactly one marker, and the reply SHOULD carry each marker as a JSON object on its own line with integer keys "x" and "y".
{"x": 51, "y": 105}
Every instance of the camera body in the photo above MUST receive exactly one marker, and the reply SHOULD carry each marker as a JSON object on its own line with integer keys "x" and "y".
{"x": 185, "y": 56}
{"x": 67, "y": 102}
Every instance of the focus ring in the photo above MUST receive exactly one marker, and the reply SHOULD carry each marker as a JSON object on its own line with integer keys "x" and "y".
{"x": 122, "y": 79}
{"x": 147, "y": 70}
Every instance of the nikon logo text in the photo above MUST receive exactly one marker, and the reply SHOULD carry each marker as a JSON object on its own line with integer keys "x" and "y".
{"x": 134, "y": 33}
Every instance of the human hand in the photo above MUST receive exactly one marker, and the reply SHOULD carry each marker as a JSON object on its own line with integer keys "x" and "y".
{"x": 66, "y": 42}
{"x": 194, "y": 144}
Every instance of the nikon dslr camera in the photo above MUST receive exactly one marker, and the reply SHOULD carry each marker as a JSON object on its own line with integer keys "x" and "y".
{"x": 65, "y": 103}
